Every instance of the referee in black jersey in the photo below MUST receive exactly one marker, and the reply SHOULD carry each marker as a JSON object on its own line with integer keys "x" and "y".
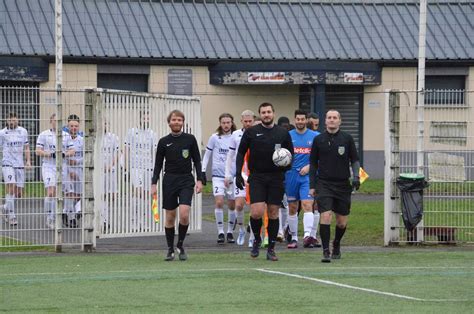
{"x": 179, "y": 149}
{"x": 265, "y": 179}
{"x": 332, "y": 155}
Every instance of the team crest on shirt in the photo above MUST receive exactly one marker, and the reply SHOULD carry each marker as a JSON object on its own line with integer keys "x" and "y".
{"x": 185, "y": 153}
{"x": 341, "y": 150}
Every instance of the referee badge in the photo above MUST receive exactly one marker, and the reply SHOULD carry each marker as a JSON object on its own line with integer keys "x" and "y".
{"x": 185, "y": 153}
{"x": 341, "y": 150}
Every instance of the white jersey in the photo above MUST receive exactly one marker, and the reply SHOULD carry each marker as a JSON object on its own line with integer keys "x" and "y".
{"x": 47, "y": 142}
{"x": 142, "y": 145}
{"x": 12, "y": 143}
{"x": 218, "y": 146}
{"x": 78, "y": 147}
{"x": 234, "y": 146}
{"x": 110, "y": 149}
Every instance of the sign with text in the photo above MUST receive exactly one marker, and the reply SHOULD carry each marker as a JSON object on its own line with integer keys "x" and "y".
{"x": 354, "y": 78}
{"x": 266, "y": 77}
{"x": 180, "y": 82}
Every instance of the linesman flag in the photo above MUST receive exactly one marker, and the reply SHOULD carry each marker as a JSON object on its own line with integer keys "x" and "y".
{"x": 363, "y": 175}
{"x": 154, "y": 209}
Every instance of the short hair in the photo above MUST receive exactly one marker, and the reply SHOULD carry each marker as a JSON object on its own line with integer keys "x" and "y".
{"x": 265, "y": 104}
{"x": 313, "y": 115}
{"x": 334, "y": 110}
{"x": 283, "y": 120}
{"x": 175, "y": 112}
{"x": 73, "y": 117}
{"x": 12, "y": 115}
{"x": 301, "y": 112}
{"x": 248, "y": 113}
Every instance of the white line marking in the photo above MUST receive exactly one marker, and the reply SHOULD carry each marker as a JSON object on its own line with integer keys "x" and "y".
{"x": 401, "y": 296}
{"x": 230, "y": 269}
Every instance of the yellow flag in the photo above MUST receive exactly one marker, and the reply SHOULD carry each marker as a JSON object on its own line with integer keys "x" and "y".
{"x": 363, "y": 175}
{"x": 154, "y": 209}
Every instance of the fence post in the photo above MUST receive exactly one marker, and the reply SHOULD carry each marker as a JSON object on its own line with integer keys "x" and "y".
{"x": 91, "y": 103}
{"x": 58, "y": 229}
{"x": 392, "y": 167}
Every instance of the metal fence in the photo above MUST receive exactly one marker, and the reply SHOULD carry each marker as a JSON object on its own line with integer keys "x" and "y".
{"x": 446, "y": 139}
{"x": 81, "y": 204}
{"x": 131, "y": 126}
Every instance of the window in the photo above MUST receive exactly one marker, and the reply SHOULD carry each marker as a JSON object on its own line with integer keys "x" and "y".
{"x": 445, "y": 90}
{"x": 130, "y": 82}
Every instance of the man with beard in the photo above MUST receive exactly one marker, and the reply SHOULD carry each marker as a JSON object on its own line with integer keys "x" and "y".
{"x": 297, "y": 182}
{"x": 181, "y": 151}
{"x": 218, "y": 147}
{"x": 332, "y": 153}
{"x": 266, "y": 179}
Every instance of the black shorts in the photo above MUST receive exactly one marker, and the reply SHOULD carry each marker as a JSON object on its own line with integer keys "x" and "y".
{"x": 266, "y": 187}
{"x": 178, "y": 189}
{"x": 334, "y": 196}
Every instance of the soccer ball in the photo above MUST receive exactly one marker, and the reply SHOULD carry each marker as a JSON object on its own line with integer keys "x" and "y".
{"x": 281, "y": 157}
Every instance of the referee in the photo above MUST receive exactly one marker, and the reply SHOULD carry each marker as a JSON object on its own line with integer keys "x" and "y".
{"x": 266, "y": 179}
{"x": 332, "y": 154}
{"x": 179, "y": 149}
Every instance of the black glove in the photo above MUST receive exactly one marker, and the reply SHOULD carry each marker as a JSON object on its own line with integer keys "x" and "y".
{"x": 239, "y": 182}
{"x": 53, "y": 155}
{"x": 355, "y": 184}
{"x": 203, "y": 178}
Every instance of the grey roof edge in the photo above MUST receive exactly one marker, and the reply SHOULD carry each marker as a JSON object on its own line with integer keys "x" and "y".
{"x": 430, "y": 2}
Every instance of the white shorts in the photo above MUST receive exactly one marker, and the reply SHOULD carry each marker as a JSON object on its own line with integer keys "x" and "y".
{"x": 14, "y": 176}
{"x": 219, "y": 189}
{"x": 110, "y": 182}
{"x": 74, "y": 186}
{"x": 238, "y": 192}
{"x": 49, "y": 176}
{"x": 141, "y": 178}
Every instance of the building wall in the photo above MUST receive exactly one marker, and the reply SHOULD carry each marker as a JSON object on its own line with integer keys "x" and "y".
{"x": 232, "y": 99}
{"x": 374, "y": 119}
{"x": 75, "y": 77}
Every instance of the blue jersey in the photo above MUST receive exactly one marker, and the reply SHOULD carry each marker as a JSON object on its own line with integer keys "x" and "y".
{"x": 302, "y": 144}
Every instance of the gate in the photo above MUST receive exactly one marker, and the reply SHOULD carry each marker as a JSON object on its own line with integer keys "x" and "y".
{"x": 129, "y": 126}
{"x": 447, "y": 163}
{"x": 83, "y": 205}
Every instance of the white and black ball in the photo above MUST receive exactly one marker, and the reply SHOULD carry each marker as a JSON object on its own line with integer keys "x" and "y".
{"x": 281, "y": 157}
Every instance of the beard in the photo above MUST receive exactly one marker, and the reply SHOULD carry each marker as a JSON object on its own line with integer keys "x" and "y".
{"x": 267, "y": 123}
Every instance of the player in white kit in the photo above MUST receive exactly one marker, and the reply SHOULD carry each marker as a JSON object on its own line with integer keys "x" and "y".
{"x": 218, "y": 147}
{"x": 110, "y": 155}
{"x": 14, "y": 143}
{"x": 139, "y": 153}
{"x": 247, "y": 120}
{"x": 46, "y": 148}
{"x": 73, "y": 178}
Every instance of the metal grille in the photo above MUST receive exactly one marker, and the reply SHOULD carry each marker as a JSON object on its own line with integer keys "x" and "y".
{"x": 132, "y": 125}
{"x": 448, "y": 166}
{"x": 77, "y": 209}
{"x": 32, "y": 215}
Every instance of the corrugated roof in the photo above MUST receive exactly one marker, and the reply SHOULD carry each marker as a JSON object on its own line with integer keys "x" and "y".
{"x": 270, "y": 30}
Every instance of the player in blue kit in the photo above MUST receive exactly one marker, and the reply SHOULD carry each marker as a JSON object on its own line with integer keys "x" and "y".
{"x": 297, "y": 182}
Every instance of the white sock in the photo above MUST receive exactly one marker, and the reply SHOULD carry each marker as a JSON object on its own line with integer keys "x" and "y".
{"x": 69, "y": 208}
{"x": 219, "y": 213}
{"x": 10, "y": 205}
{"x": 314, "y": 230}
{"x": 283, "y": 219}
{"x": 293, "y": 223}
{"x": 231, "y": 220}
{"x": 239, "y": 215}
{"x": 50, "y": 206}
{"x": 308, "y": 221}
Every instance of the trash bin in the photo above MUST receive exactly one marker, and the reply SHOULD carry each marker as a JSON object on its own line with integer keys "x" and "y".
{"x": 411, "y": 186}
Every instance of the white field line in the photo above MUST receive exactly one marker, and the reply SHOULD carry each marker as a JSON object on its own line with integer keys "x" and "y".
{"x": 328, "y": 282}
{"x": 77, "y": 269}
